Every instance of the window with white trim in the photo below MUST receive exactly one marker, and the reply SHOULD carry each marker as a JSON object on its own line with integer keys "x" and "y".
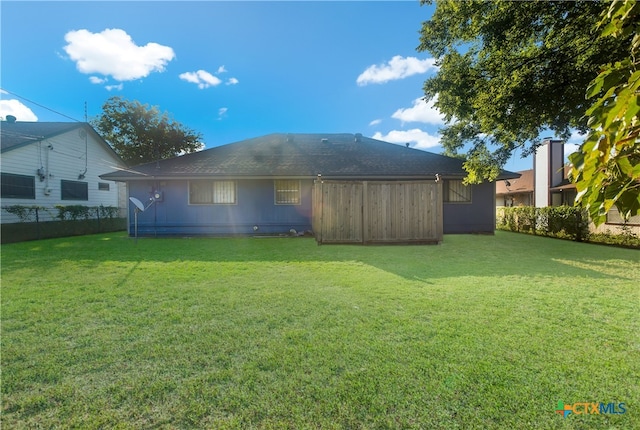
{"x": 287, "y": 191}
{"x": 212, "y": 192}
{"x": 454, "y": 191}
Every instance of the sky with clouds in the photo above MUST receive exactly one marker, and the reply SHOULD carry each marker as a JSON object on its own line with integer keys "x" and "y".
{"x": 228, "y": 70}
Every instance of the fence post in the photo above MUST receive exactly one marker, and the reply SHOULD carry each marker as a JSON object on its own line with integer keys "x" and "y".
{"x": 37, "y": 224}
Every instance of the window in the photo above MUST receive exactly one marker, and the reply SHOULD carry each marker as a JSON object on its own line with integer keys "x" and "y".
{"x": 212, "y": 192}
{"x": 287, "y": 192}
{"x": 103, "y": 186}
{"x": 18, "y": 186}
{"x": 74, "y": 190}
{"x": 455, "y": 191}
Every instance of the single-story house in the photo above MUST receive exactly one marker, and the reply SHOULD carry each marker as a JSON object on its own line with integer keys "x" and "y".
{"x": 46, "y": 164}
{"x": 265, "y": 185}
{"x": 515, "y": 192}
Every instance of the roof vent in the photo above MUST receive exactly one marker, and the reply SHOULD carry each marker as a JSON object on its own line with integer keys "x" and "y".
{"x": 11, "y": 119}
{"x": 358, "y": 137}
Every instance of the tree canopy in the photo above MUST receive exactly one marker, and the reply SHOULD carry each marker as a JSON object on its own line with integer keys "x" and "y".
{"x": 510, "y": 71}
{"x": 140, "y": 134}
{"x": 606, "y": 170}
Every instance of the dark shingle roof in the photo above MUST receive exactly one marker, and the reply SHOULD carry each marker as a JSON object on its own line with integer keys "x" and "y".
{"x": 301, "y": 155}
{"x": 17, "y": 134}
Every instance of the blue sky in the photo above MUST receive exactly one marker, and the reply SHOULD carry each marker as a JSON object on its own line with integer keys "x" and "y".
{"x": 229, "y": 70}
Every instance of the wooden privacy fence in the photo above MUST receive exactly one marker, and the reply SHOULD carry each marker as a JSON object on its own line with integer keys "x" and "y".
{"x": 377, "y": 212}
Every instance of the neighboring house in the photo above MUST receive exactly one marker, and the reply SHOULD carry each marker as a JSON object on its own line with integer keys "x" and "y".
{"x": 46, "y": 164}
{"x": 265, "y": 185}
{"x": 515, "y": 192}
{"x": 553, "y": 188}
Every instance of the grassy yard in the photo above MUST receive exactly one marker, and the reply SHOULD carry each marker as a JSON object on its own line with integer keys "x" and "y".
{"x": 479, "y": 332}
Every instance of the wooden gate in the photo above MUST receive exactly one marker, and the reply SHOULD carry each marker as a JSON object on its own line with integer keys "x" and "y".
{"x": 377, "y": 212}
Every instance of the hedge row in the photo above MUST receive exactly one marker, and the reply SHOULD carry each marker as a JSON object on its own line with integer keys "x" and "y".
{"x": 73, "y": 220}
{"x": 554, "y": 221}
{"x": 61, "y": 212}
{"x": 23, "y": 231}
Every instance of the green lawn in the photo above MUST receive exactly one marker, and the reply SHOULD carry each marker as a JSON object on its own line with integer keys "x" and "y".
{"x": 479, "y": 332}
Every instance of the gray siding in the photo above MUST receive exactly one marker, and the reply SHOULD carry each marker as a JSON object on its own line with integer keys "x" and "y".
{"x": 475, "y": 217}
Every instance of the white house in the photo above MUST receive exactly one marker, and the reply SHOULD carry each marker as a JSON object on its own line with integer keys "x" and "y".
{"x": 46, "y": 164}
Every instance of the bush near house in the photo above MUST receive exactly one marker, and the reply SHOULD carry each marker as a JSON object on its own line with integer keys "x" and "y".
{"x": 564, "y": 222}
{"x": 554, "y": 221}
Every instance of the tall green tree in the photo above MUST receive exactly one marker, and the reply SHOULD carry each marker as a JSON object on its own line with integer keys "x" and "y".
{"x": 606, "y": 169}
{"x": 510, "y": 70}
{"x": 140, "y": 134}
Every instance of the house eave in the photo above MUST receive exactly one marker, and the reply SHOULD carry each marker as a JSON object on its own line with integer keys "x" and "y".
{"x": 164, "y": 177}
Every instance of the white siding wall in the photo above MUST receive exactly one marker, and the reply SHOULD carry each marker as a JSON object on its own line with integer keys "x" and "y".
{"x": 548, "y": 169}
{"x": 541, "y": 176}
{"x": 63, "y": 158}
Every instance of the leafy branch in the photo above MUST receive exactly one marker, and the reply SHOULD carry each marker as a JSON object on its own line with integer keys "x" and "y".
{"x": 606, "y": 170}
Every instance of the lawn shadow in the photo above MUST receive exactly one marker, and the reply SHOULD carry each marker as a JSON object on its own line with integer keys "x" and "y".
{"x": 505, "y": 254}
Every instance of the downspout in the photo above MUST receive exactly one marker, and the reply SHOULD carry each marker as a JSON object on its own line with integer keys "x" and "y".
{"x": 47, "y": 190}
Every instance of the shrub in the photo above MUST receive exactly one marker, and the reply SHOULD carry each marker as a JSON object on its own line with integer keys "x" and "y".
{"x": 107, "y": 211}
{"x": 627, "y": 238}
{"x": 24, "y": 213}
{"x": 72, "y": 212}
{"x": 556, "y": 221}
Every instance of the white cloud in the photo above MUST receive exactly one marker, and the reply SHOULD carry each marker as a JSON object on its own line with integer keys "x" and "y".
{"x": 17, "y": 109}
{"x": 113, "y": 53}
{"x": 576, "y": 138}
{"x": 375, "y": 122}
{"x": 221, "y": 69}
{"x": 222, "y": 113}
{"x": 118, "y": 87}
{"x": 421, "y": 111}
{"x": 573, "y": 143}
{"x": 202, "y": 78}
{"x": 397, "y": 68}
{"x": 232, "y": 81}
{"x": 420, "y": 139}
{"x": 570, "y": 148}
{"x": 97, "y": 80}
